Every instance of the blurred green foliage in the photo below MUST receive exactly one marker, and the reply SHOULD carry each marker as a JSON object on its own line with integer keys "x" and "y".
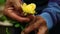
{"x": 2, "y": 2}
{"x": 3, "y": 18}
{"x": 16, "y": 24}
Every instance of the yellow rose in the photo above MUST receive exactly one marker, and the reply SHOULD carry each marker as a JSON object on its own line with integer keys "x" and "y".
{"x": 29, "y": 9}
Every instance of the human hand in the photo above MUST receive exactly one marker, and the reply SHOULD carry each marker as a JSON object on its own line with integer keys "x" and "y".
{"x": 37, "y": 24}
{"x": 10, "y": 11}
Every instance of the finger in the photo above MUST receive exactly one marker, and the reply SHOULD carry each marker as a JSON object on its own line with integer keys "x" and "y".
{"x": 10, "y": 13}
{"x": 28, "y": 29}
{"x": 31, "y": 17}
{"x": 8, "y": 3}
{"x": 17, "y": 4}
{"x": 42, "y": 30}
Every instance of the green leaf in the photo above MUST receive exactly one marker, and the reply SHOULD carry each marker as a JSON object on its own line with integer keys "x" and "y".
{"x": 17, "y": 25}
{"x": 3, "y": 18}
{"x": 21, "y": 27}
{"x": 12, "y": 21}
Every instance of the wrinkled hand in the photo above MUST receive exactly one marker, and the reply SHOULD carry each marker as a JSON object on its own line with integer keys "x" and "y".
{"x": 12, "y": 12}
{"x": 37, "y": 24}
